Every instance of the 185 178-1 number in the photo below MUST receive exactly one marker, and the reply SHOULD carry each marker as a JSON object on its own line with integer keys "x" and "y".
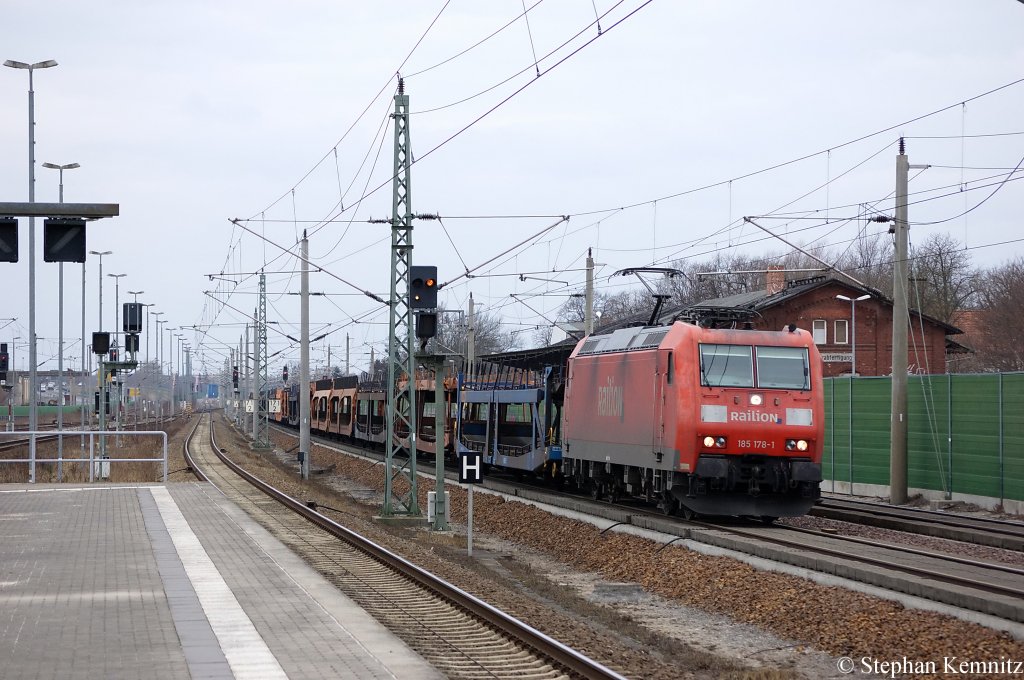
{"x": 756, "y": 444}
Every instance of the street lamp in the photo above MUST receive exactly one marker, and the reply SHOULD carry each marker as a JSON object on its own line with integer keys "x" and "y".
{"x": 156, "y": 340}
{"x": 101, "y": 384}
{"x": 117, "y": 326}
{"x": 60, "y": 319}
{"x": 33, "y": 413}
{"x": 159, "y": 344}
{"x": 101, "y": 254}
{"x": 61, "y": 168}
{"x": 117, "y": 306}
{"x": 147, "y": 306}
{"x": 853, "y": 328}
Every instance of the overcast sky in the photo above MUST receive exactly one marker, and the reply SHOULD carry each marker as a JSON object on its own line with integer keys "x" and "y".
{"x": 188, "y": 114}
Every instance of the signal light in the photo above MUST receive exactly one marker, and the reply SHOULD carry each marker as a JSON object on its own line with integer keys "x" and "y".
{"x": 234, "y": 377}
{"x": 284, "y": 374}
{"x": 423, "y": 287}
{"x": 4, "y": 358}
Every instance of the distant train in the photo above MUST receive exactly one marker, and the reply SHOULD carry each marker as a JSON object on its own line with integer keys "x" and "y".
{"x": 700, "y": 421}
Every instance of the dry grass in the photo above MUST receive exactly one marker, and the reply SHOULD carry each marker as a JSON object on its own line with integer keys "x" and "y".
{"x": 77, "y": 471}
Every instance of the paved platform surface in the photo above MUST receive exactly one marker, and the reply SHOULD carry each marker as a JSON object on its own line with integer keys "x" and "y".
{"x": 154, "y": 581}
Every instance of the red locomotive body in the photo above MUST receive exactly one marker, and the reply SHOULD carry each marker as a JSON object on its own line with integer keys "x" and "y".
{"x": 710, "y": 421}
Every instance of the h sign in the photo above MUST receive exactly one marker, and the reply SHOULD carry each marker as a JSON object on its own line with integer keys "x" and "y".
{"x": 471, "y": 470}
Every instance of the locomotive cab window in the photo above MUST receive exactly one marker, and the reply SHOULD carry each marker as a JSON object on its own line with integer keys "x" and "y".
{"x": 726, "y": 366}
{"x": 783, "y": 368}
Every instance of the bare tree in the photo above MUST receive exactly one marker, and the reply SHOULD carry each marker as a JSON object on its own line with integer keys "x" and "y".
{"x": 452, "y": 334}
{"x": 1001, "y": 298}
{"x": 869, "y": 258}
{"x": 944, "y": 275}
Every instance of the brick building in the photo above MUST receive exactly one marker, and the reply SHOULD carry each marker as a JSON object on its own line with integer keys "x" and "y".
{"x": 812, "y": 304}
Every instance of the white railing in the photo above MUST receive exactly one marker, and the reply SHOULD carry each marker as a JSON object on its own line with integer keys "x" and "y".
{"x": 96, "y": 464}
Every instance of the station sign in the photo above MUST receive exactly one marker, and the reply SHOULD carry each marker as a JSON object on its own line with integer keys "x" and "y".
{"x": 471, "y": 468}
{"x": 274, "y": 406}
{"x": 837, "y": 357}
{"x": 250, "y": 406}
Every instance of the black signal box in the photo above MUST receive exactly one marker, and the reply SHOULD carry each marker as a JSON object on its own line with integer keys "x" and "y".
{"x": 422, "y": 287}
{"x": 100, "y": 343}
{"x": 8, "y": 239}
{"x": 64, "y": 239}
{"x": 131, "y": 343}
{"x": 131, "y": 319}
{"x": 426, "y": 325}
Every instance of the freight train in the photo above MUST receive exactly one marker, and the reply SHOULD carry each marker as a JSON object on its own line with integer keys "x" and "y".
{"x": 698, "y": 420}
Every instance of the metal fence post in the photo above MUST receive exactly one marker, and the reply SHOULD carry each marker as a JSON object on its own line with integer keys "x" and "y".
{"x": 165, "y": 456}
{"x": 832, "y": 417}
{"x": 1002, "y": 470}
{"x": 949, "y": 431}
{"x": 92, "y": 464}
{"x": 850, "y": 425}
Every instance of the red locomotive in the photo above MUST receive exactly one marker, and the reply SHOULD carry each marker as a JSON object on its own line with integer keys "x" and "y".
{"x": 709, "y": 421}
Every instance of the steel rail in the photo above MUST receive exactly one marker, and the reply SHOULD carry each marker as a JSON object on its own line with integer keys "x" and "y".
{"x": 878, "y": 562}
{"x": 562, "y": 655}
{"x": 996, "y": 526}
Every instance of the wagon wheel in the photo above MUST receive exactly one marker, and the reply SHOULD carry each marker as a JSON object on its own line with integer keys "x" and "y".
{"x": 595, "y": 490}
{"x": 767, "y": 519}
{"x": 668, "y": 504}
{"x": 688, "y": 514}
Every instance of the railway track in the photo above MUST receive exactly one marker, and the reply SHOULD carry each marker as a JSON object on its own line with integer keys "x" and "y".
{"x": 980, "y": 530}
{"x": 985, "y": 587}
{"x": 459, "y": 634}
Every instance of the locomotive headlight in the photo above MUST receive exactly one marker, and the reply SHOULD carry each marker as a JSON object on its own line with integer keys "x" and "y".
{"x": 756, "y": 399}
{"x": 720, "y": 442}
{"x": 709, "y": 442}
{"x": 790, "y": 444}
{"x": 801, "y": 445}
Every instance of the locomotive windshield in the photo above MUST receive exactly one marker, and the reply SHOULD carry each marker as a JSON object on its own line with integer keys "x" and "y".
{"x": 733, "y": 366}
{"x": 783, "y": 368}
{"x": 726, "y": 366}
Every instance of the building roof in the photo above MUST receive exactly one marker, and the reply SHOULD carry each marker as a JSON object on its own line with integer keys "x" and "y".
{"x": 731, "y": 309}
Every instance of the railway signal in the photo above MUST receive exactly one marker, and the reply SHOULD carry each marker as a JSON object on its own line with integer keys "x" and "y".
{"x": 423, "y": 299}
{"x": 8, "y": 239}
{"x": 422, "y": 287}
{"x": 64, "y": 239}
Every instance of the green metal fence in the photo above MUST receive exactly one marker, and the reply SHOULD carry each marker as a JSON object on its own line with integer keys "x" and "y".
{"x": 965, "y": 434}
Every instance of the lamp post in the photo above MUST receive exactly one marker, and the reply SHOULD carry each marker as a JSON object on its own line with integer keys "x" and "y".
{"x": 147, "y": 306}
{"x": 117, "y": 306}
{"x": 99, "y": 327}
{"x": 170, "y": 365}
{"x": 101, "y": 254}
{"x": 853, "y": 328}
{"x": 160, "y": 373}
{"x": 10, "y": 393}
{"x": 117, "y": 329}
{"x": 33, "y": 413}
{"x": 60, "y": 323}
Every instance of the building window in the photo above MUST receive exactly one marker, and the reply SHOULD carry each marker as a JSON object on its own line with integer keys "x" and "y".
{"x": 842, "y": 335}
{"x": 819, "y": 331}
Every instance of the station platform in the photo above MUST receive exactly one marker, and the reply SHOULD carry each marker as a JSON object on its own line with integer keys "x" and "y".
{"x": 170, "y": 581}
